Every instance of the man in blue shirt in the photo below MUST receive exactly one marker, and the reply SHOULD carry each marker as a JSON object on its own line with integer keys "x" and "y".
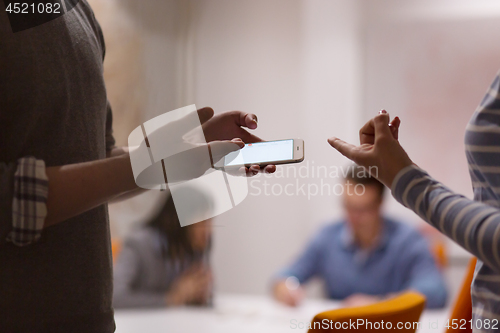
{"x": 364, "y": 257}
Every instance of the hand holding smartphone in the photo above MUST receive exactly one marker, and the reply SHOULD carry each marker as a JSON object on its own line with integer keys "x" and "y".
{"x": 267, "y": 152}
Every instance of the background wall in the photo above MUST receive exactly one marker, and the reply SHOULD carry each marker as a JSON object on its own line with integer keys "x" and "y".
{"x": 309, "y": 69}
{"x": 430, "y": 62}
{"x": 293, "y": 64}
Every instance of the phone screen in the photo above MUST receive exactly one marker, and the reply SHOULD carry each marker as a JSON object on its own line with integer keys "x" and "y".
{"x": 261, "y": 152}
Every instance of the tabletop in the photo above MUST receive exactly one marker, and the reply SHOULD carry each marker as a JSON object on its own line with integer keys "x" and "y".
{"x": 244, "y": 314}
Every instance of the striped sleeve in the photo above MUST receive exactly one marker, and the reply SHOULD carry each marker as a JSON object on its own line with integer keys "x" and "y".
{"x": 29, "y": 202}
{"x": 473, "y": 225}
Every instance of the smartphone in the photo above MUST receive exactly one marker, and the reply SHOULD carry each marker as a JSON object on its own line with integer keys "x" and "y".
{"x": 267, "y": 152}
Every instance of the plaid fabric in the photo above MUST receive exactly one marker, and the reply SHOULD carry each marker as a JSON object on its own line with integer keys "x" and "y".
{"x": 29, "y": 207}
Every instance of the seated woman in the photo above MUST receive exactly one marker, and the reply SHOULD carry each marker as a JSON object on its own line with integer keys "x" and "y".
{"x": 163, "y": 264}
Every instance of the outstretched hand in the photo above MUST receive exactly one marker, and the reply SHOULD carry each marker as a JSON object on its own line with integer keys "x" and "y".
{"x": 379, "y": 148}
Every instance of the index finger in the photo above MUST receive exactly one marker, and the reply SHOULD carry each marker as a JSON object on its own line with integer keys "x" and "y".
{"x": 245, "y": 119}
{"x": 343, "y": 147}
{"x": 248, "y": 120}
{"x": 205, "y": 114}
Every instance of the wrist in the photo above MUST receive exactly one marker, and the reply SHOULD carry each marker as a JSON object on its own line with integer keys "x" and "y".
{"x": 126, "y": 167}
{"x": 397, "y": 177}
{"x": 394, "y": 172}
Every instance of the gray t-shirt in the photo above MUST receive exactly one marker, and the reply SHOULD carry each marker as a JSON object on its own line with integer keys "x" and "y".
{"x": 53, "y": 106}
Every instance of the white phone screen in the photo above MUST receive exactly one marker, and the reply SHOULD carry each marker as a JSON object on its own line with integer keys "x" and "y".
{"x": 261, "y": 152}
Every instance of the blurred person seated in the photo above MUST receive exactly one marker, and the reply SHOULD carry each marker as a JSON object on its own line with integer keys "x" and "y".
{"x": 366, "y": 256}
{"x": 163, "y": 264}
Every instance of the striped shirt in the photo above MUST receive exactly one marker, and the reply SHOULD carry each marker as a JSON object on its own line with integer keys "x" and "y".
{"x": 473, "y": 224}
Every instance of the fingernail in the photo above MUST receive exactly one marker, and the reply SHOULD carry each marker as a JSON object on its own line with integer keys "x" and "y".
{"x": 255, "y": 119}
{"x": 382, "y": 111}
{"x": 239, "y": 142}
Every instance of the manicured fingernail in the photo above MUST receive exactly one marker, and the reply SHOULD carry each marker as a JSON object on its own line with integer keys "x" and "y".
{"x": 382, "y": 111}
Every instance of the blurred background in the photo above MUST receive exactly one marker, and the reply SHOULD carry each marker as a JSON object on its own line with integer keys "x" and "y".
{"x": 309, "y": 69}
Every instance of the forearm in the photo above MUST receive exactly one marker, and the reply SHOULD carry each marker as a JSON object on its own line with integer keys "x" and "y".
{"x": 77, "y": 188}
{"x": 117, "y": 151}
{"x": 469, "y": 223}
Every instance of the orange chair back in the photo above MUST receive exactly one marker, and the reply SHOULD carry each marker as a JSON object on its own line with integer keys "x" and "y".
{"x": 116, "y": 246}
{"x": 384, "y": 316}
{"x": 437, "y": 243}
{"x": 462, "y": 310}
{"x": 439, "y": 252}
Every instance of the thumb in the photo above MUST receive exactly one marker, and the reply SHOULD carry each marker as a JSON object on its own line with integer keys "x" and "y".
{"x": 219, "y": 149}
{"x": 382, "y": 128}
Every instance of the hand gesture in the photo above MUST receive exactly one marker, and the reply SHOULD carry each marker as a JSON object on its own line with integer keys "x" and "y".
{"x": 379, "y": 148}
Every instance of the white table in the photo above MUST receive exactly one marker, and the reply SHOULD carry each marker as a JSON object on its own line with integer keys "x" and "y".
{"x": 241, "y": 314}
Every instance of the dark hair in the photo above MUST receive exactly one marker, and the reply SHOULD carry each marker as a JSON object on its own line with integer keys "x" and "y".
{"x": 167, "y": 223}
{"x": 361, "y": 175}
